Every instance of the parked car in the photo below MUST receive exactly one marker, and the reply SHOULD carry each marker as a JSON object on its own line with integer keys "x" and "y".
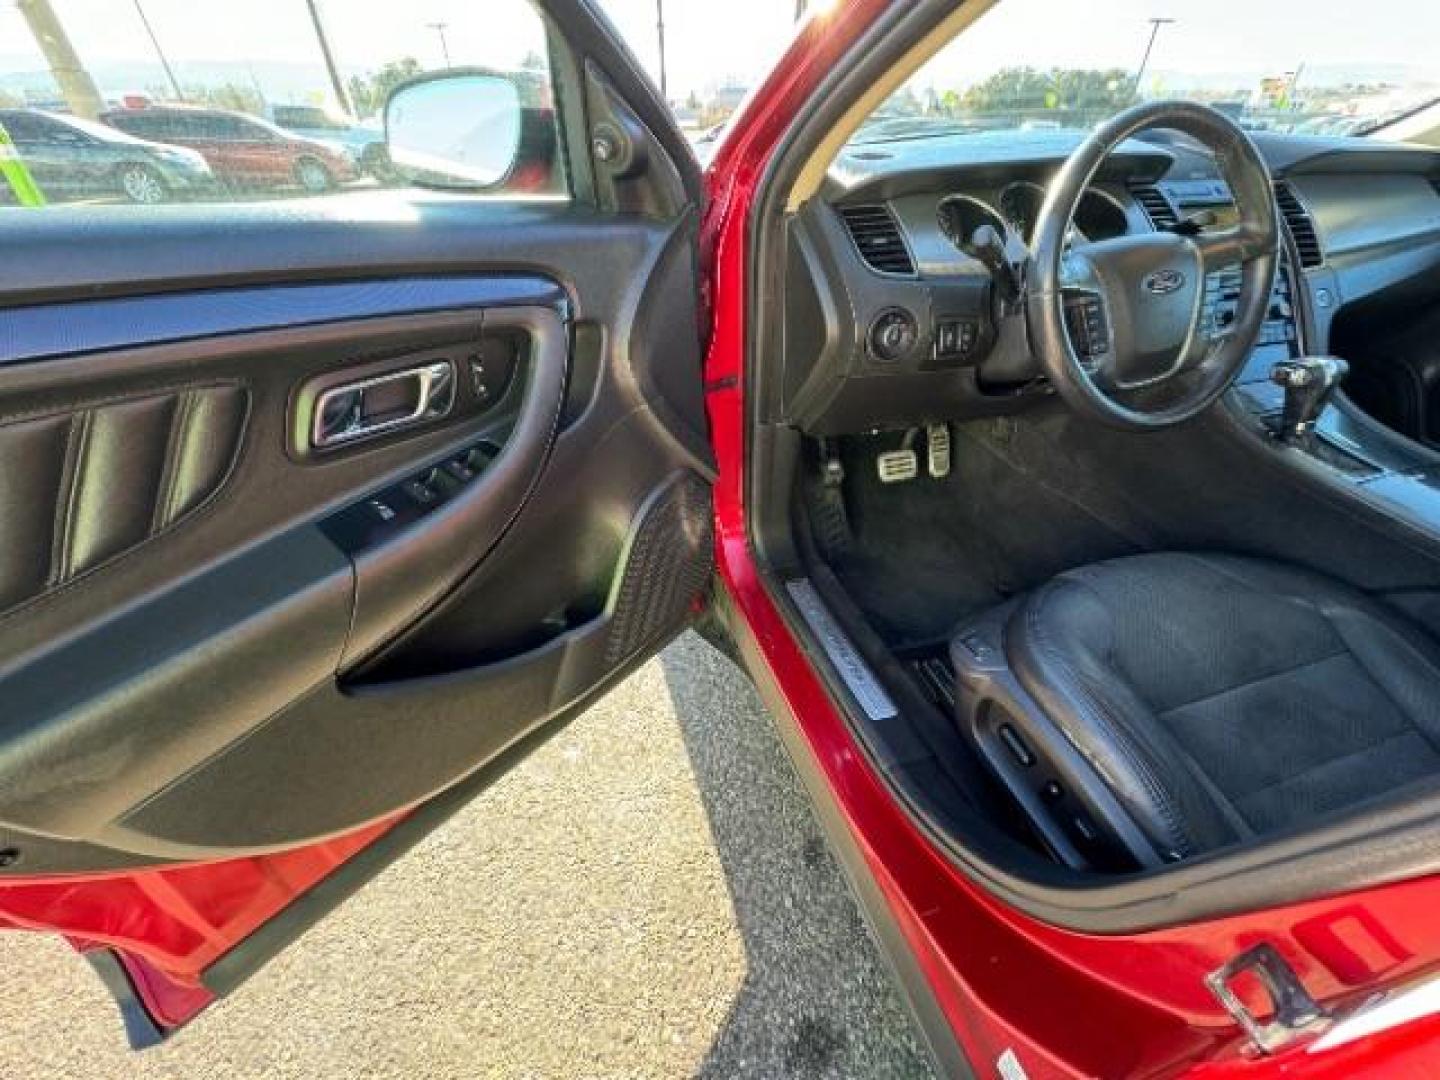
{"x": 70, "y": 158}
{"x": 365, "y": 141}
{"x": 244, "y": 151}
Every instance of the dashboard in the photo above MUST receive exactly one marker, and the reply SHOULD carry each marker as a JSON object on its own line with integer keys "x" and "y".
{"x": 892, "y": 316}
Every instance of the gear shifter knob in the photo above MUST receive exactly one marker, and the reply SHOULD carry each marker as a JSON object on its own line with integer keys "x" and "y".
{"x": 1309, "y": 383}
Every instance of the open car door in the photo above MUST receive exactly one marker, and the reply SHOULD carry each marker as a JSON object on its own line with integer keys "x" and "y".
{"x": 318, "y": 515}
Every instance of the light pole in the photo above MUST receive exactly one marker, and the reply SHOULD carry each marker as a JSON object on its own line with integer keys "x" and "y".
{"x": 1155, "y": 25}
{"x": 660, "y": 34}
{"x": 336, "y": 83}
{"x": 439, "y": 28}
{"x": 70, "y": 75}
{"x": 164, "y": 63}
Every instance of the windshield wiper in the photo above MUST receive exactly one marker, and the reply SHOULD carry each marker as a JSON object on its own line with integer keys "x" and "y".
{"x": 1381, "y": 125}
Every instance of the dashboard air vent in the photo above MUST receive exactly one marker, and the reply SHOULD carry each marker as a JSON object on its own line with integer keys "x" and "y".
{"x": 1156, "y": 206}
{"x": 1302, "y": 229}
{"x": 877, "y": 238}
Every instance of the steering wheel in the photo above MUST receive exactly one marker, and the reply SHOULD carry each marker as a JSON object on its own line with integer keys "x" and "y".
{"x": 1149, "y": 354}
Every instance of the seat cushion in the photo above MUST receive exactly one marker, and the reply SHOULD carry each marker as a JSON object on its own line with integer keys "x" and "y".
{"x": 1221, "y": 697}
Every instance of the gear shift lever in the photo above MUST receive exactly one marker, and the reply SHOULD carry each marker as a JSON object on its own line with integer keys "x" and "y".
{"x": 1309, "y": 383}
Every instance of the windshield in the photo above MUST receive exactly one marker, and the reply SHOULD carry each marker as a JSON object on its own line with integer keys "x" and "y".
{"x": 1326, "y": 67}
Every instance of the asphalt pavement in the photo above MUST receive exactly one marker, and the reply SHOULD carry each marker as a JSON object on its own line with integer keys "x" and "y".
{"x": 647, "y": 895}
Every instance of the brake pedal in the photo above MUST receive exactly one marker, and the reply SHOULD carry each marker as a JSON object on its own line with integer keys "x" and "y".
{"x": 937, "y": 445}
{"x": 897, "y": 466}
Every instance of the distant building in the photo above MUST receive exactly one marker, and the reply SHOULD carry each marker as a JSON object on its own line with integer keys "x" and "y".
{"x": 728, "y": 96}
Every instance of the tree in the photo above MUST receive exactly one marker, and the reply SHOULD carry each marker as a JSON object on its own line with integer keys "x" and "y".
{"x": 1087, "y": 89}
{"x": 1071, "y": 90}
{"x": 368, "y": 92}
{"x": 1010, "y": 88}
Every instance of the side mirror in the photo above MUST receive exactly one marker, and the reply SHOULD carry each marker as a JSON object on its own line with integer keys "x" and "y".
{"x": 455, "y": 129}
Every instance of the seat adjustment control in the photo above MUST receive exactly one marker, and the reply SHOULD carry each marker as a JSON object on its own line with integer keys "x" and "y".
{"x": 1016, "y": 745}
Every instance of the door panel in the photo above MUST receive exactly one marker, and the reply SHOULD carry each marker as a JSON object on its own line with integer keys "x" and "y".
{"x": 215, "y": 646}
{"x": 200, "y": 567}
{"x": 243, "y": 667}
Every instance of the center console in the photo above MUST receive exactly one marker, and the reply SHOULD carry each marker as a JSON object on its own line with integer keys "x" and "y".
{"x": 1346, "y": 449}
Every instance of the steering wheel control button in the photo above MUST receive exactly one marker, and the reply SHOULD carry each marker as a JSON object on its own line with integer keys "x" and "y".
{"x": 893, "y": 335}
{"x": 1085, "y": 320}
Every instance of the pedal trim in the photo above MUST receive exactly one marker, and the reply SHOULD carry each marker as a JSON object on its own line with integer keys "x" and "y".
{"x": 897, "y": 466}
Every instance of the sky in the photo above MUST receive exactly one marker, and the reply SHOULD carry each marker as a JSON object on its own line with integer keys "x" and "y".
{"x": 710, "y": 42}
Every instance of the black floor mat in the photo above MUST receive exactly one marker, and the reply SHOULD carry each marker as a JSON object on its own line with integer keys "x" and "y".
{"x": 925, "y": 554}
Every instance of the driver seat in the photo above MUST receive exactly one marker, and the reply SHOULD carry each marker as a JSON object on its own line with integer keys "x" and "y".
{"x": 1152, "y": 708}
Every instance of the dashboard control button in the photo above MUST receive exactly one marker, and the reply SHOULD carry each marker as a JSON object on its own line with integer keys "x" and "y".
{"x": 956, "y": 338}
{"x": 893, "y": 335}
{"x": 947, "y": 338}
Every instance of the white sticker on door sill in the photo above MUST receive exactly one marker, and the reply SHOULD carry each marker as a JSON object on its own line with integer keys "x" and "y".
{"x": 1009, "y": 1067}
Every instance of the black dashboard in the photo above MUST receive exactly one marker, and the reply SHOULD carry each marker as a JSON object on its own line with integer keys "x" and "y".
{"x": 892, "y": 319}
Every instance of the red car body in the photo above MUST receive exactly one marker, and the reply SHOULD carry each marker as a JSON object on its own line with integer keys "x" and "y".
{"x": 1066, "y": 1004}
{"x": 242, "y": 151}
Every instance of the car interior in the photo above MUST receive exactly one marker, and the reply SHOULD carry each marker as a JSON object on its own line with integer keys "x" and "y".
{"x": 1098, "y": 468}
{"x": 1101, "y": 468}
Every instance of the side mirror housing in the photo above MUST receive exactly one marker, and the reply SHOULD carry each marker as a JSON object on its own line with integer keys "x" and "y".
{"x": 457, "y": 129}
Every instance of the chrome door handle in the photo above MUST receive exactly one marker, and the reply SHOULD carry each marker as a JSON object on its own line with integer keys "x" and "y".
{"x": 389, "y": 402}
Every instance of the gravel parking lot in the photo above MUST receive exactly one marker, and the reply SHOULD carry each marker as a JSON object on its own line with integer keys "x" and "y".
{"x": 648, "y": 895}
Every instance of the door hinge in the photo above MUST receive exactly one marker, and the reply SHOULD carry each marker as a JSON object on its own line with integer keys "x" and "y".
{"x": 1293, "y": 1011}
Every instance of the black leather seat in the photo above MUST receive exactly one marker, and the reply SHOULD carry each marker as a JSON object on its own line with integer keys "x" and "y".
{"x": 1198, "y": 700}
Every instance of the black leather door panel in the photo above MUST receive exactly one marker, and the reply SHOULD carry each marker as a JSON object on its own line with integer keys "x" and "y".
{"x": 101, "y": 479}
{"x": 248, "y": 676}
{"x": 406, "y": 740}
{"x": 117, "y": 714}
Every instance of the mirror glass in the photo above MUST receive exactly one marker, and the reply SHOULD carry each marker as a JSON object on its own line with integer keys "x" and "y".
{"x": 455, "y": 130}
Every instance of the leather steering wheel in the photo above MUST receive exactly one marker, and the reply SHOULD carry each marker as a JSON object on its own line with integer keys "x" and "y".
{"x": 1152, "y": 357}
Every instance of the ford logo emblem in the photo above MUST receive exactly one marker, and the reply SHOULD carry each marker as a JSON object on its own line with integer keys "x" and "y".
{"x": 1164, "y": 282}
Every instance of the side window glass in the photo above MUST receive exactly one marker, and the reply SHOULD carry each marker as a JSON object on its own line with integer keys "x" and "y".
{"x": 174, "y": 104}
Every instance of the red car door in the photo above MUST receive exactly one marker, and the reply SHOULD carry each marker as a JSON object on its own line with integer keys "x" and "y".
{"x": 325, "y": 522}
{"x": 261, "y": 154}
{"x": 205, "y": 132}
